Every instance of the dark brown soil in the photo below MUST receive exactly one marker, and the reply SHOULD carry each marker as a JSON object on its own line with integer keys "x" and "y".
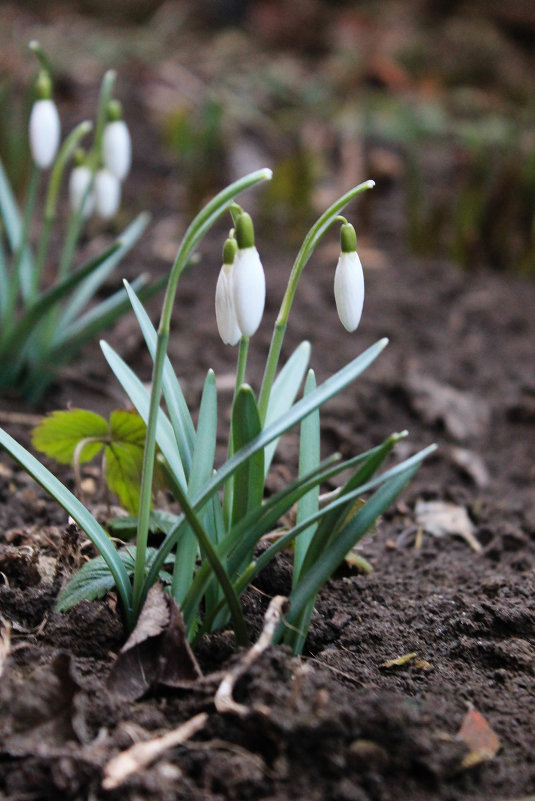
{"x": 344, "y": 722}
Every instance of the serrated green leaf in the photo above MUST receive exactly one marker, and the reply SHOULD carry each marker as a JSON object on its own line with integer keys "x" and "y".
{"x": 60, "y": 432}
{"x": 94, "y": 579}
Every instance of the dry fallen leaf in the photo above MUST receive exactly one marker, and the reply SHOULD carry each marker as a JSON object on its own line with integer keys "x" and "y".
{"x": 464, "y": 415}
{"x": 483, "y": 743}
{"x": 440, "y": 517}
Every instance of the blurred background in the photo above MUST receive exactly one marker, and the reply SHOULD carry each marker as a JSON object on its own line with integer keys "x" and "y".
{"x": 432, "y": 99}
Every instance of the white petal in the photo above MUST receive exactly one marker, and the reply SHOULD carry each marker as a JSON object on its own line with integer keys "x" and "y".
{"x": 79, "y": 182}
{"x": 249, "y": 290}
{"x": 107, "y": 194}
{"x": 349, "y": 290}
{"x": 227, "y": 325}
{"x": 44, "y": 131}
{"x": 117, "y": 149}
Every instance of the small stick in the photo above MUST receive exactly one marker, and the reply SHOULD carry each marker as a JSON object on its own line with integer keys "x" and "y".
{"x": 5, "y": 642}
{"x": 224, "y": 702}
{"x": 134, "y": 759}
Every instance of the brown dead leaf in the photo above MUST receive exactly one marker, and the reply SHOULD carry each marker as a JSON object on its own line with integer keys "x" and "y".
{"x": 464, "y": 415}
{"x": 483, "y": 743}
{"x": 440, "y": 517}
{"x": 157, "y": 652}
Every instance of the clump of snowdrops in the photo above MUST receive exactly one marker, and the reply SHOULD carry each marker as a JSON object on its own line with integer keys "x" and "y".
{"x": 45, "y": 321}
{"x": 208, "y": 556}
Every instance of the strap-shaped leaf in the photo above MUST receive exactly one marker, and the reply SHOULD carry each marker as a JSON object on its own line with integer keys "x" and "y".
{"x": 174, "y": 398}
{"x": 140, "y": 399}
{"x": 249, "y": 477}
{"x": 330, "y": 523}
{"x": 90, "y": 286}
{"x": 11, "y": 218}
{"x": 201, "y": 469}
{"x": 320, "y": 572}
{"x": 306, "y": 405}
{"x": 309, "y": 458}
{"x": 284, "y": 392}
{"x": 48, "y": 300}
{"x": 79, "y": 513}
{"x": 69, "y": 341}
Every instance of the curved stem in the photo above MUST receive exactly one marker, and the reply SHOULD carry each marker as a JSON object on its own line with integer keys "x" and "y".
{"x": 320, "y": 227}
{"x": 65, "y": 153}
{"x": 197, "y": 229}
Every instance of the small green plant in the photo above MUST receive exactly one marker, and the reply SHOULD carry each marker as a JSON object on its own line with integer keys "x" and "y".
{"x": 44, "y": 320}
{"x": 77, "y": 436}
{"x": 212, "y": 542}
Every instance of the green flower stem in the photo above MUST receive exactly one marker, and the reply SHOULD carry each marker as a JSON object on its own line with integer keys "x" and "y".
{"x": 36, "y": 48}
{"x": 195, "y": 232}
{"x": 106, "y": 91}
{"x": 65, "y": 153}
{"x": 320, "y": 227}
{"x": 240, "y": 377}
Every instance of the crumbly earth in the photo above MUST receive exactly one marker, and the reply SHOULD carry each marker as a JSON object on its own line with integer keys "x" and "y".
{"x": 397, "y": 658}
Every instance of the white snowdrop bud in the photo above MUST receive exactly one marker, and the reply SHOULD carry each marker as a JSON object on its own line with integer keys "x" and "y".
{"x": 44, "y": 132}
{"x": 227, "y": 325}
{"x": 248, "y": 282}
{"x": 117, "y": 149}
{"x": 349, "y": 280}
{"x": 81, "y": 191}
{"x": 107, "y": 194}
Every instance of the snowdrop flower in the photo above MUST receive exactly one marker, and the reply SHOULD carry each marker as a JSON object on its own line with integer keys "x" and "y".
{"x": 227, "y": 325}
{"x": 116, "y": 144}
{"x": 107, "y": 194}
{"x": 349, "y": 280}
{"x": 81, "y": 191}
{"x": 44, "y": 125}
{"x": 249, "y": 283}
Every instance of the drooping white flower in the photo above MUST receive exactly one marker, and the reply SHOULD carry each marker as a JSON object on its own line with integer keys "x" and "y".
{"x": 81, "y": 191}
{"x": 227, "y": 324}
{"x": 248, "y": 281}
{"x": 349, "y": 281}
{"x": 117, "y": 149}
{"x": 107, "y": 194}
{"x": 44, "y": 132}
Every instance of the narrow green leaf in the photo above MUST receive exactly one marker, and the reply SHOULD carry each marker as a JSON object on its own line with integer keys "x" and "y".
{"x": 58, "y": 434}
{"x": 240, "y": 628}
{"x": 331, "y": 522}
{"x": 174, "y": 398}
{"x": 70, "y": 340}
{"x": 249, "y": 477}
{"x": 79, "y": 513}
{"x": 201, "y": 470}
{"x": 314, "y": 400}
{"x": 309, "y": 459}
{"x": 48, "y": 300}
{"x": 90, "y": 286}
{"x": 140, "y": 399}
{"x": 11, "y": 217}
{"x": 284, "y": 392}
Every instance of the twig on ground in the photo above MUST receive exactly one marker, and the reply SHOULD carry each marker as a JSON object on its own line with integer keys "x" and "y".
{"x": 134, "y": 759}
{"x": 223, "y": 700}
{"x": 5, "y": 642}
